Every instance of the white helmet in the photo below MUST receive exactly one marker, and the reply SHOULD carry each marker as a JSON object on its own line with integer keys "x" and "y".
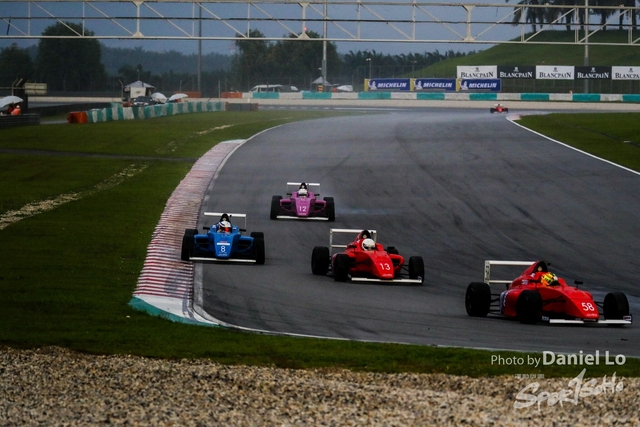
{"x": 368, "y": 245}
{"x": 302, "y": 192}
{"x": 225, "y": 226}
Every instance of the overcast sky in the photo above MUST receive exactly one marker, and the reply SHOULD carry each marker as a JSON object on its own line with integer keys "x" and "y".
{"x": 443, "y": 24}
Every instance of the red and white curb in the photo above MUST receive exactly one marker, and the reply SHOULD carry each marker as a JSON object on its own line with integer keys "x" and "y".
{"x": 165, "y": 286}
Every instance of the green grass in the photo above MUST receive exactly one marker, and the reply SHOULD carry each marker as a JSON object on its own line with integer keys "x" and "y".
{"x": 545, "y": 54}
{"x": 67, "y": 274}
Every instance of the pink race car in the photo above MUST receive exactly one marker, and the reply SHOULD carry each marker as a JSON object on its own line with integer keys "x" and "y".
{"x": 539, "y": 295}
{"x": 302, "y": 203}
{"x": 365, "y": 260}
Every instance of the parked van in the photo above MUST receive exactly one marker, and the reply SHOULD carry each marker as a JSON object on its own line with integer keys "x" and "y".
{"x": 274, "y": 88}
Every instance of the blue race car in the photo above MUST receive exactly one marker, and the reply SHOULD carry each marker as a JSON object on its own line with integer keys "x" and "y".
{"x": 223, "y": 242}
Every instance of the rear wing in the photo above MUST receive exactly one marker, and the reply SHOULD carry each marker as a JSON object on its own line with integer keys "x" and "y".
{"x": 487, "y": 270}
{"x": 308, "y": 184}
{"x": 231, "y": 217}
{"x": 334, "y": 234}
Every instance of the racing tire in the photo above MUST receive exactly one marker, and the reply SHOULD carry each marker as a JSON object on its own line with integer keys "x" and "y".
{"x": 506, "y": 110}
{"x": 529, "y": 307}
{"x": 275, "y": 207}
{"x": 330, "y": 208}
{"x": 492, "y": 110}
{"x": 320, "y": 259}
{"x": 257, "y": 234}
{"x": 615, "y": 306}
{"x": 341, "y": 268}
{"x": 477, "y": 300}
{"x": 187, "y": 243}
{"x": 258, "y": 244}
{"x": 416, "y": 268}
{"x": 392, "y": 250}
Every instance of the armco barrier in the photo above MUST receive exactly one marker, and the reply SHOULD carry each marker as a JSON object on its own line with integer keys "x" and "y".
{"x": 152, "y": 111}
{"x": 451, "y": 96}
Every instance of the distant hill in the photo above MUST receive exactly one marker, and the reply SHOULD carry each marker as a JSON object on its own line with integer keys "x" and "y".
{"x": 544, "y": 54}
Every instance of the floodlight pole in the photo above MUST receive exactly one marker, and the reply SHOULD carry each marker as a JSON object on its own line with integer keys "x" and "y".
{"x": 324, "y": 48}
{"x": 586, "y": 42}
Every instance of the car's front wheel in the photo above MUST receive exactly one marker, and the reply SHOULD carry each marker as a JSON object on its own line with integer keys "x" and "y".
{"x": 416, "y": 268}
{"x": 330, "y": 208}
{"x": 615, "y": 306}
{"x": 258, "y": 243}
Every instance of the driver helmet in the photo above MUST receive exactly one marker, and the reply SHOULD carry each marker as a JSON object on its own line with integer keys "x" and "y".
{"x": 548, "y": 279}
{"x": 224, "y": 227}
{"x": 302, "y": 192}
{"x": 368, "y": 245}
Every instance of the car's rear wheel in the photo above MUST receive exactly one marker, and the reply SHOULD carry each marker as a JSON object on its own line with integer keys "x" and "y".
{"x": 187, "y": 243}
{"x": 615, "y": 306}
{"x": 275, "y": 207}
{"x": 320, "y": 259}
{"x": 529, "y": 307}
{"x": 477, "y": 300}
{"x": 258, "y": 244}
{"x": 330, "y": 208}
{"x": 416, "y": 268}
{"x": 341, "y": 268}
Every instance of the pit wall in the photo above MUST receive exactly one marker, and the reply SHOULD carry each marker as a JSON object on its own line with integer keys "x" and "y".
{"x": 435, "y": 96}
{"x": 152, "y": 111}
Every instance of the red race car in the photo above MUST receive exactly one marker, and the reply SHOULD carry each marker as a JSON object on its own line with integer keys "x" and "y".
{"x": 539, "y": 295}
{"x": 499, "y": 108}
{"x": 365, "y": 260}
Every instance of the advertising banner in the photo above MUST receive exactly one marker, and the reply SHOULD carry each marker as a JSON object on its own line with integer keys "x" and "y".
{"x": 515, "y": 72}
{"x": 477, "y": 72}
{"x": 435, "y": 85}
{"x": 480, "y": 85}
{"x": 625, "y": 73}
{"x": 389, "y": 85}
{"x": 587, "y": 72}
{"x": 555, "y": 72}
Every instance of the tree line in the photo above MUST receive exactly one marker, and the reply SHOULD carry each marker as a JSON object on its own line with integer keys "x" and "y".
{"x": 78, "y": 64}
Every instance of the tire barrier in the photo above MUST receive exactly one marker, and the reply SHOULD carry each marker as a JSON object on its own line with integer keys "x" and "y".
{"x": 152, "y": 111}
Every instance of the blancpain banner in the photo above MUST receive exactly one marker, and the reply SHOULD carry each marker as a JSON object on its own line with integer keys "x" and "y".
{"x": 558, "y": 72}
{"x": 477, "y": 72}
{"x": 625, "y": 73}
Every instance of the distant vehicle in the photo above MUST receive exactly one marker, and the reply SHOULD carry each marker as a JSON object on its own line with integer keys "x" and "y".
{"x": 303, "y": 203}
{"x": 223, "y": 242}
{"x": 274, "y": 88}
{"x": 365, "y": 260}
{"x": 143, "y": 101}
{"x": 498, "y": 108}
{"x": 539, "y": 295}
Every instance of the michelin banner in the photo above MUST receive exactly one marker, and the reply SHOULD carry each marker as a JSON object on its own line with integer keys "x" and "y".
{"x": 389, "y": 85}
{"x": 447, "y": 85}
{"x": 479, "y": 85}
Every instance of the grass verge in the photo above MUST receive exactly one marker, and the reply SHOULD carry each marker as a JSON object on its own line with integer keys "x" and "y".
{"x": 68, "y": 273}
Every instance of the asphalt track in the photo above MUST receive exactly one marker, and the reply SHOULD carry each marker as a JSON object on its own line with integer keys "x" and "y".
{"x": 456, "y": 186}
